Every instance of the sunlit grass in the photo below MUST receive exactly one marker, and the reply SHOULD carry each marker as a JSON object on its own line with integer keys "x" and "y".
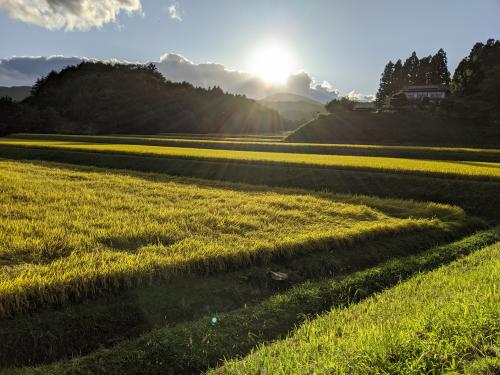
{"x": 180, "y": 139}
{"x": 68, "y": 233}
{"x": 444, "y": 321}
{"x": 463, "y": 169}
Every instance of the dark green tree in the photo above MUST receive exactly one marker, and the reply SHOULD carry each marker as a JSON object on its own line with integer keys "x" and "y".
{"x": 410, "y": 69}
{"x": 384, "y": 91}
{"x": 339, "y": 105}
{"x": 398, "y": 79}
{"x": 440, "y": 75}
{"x": 425, "y": 71}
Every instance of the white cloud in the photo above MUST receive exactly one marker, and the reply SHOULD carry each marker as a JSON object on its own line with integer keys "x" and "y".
{"x": 178, "y": 68}
{"x": 356, "y": 96}
{"x": 69, "y": 14}
{"x": 175, "y": 67}
{"x": 174, "y": 12}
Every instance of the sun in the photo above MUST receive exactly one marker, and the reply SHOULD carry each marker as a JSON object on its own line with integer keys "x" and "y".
{"x": 272, "y": 62}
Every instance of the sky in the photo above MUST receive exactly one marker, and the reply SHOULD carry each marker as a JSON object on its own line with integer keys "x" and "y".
{"x": 317, "y": 48}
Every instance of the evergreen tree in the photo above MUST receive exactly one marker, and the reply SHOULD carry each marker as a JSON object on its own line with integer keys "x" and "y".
{"x": 385, "y": 87}
{"x": 440, "y": 72}
{"x": 425, "y": 71}
{"x": 410, "y": 69}
{"x": 398, "y": 81}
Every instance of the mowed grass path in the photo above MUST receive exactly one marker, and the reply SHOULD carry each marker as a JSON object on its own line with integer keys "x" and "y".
{"x": 462, "y": 169}
{"x": 440, "y": 322}
{"x": 67, "y": 233}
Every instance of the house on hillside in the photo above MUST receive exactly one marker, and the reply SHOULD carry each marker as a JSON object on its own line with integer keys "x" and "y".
{"x": 363, "y": 106}
{"x": 424, "y": 93}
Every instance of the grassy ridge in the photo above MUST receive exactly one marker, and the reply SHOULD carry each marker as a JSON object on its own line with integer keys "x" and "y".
{"x": 414, "y": 152}
{"x": 461, "y": 169}
{"x": 97, "y": 231}
{"x": 443, "y": 321}
{"x": 193, "y": 346}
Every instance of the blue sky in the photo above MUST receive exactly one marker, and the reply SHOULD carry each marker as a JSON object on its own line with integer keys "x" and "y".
{"x": 346, "y": 43}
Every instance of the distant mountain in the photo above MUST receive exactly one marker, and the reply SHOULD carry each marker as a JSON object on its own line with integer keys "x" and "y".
{"x": 296, "y": 108}
{"x": 17, "y": 93}
{"x": 98, "y": 98}
{"x": 289, "y": 97}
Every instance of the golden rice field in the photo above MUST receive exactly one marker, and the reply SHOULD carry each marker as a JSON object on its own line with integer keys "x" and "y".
{"x": 235, "y": 142}
{"x": 70, "y": 232}
{"x": 463, "y": 169}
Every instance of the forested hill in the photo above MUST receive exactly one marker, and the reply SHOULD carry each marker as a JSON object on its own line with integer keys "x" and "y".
{"x": 476, "y": 81}
{"x": 99, "y": 98}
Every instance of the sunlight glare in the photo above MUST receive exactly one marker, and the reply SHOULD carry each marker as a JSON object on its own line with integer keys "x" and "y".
{"x": 272, "y": 62}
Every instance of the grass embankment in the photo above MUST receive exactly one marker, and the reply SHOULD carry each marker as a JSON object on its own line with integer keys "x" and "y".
{"x": 444, "y": 321}
{"x": 71, "y": 233}
{"x": 458, "y": 169}
{"x": 193, "y": 346}
{"x": 414, "y": 152}
{"x": 423, "y": 128}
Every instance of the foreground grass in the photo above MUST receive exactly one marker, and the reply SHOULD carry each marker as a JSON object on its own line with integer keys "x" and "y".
{"x": 462, "y": 169}
{"x": 70, "y": 233}
{"x": 415, "y": 152}
{"x": 443, "y": 321}
{"x": 191, "y": 347}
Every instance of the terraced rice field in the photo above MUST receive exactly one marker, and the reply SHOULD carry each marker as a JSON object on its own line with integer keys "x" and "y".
{"x": 108, "y": 270}
{"x": 462, "y": 169}
{"x": 78, "y": 232}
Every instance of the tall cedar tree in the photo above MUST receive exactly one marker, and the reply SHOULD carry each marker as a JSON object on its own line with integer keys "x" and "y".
{"x": 425, "y": 71}
{"x": 385, "y": 88}
{"x": 440, "y": 72}
{"x": 398, "y": 80}
{"x": 410, "y": 69}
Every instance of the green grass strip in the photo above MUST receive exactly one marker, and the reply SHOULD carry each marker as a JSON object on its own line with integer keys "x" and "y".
{"x": 441, "y": 322}
{"x": 194, "y": 346}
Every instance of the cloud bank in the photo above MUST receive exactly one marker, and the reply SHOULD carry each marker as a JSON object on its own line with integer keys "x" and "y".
{"x": 358, "y": 97}
{"x": 69, "y": 14}
{"x": 24, "y": 71}
{"x": 178, "y": 68}
{"x": 19, "y": 71}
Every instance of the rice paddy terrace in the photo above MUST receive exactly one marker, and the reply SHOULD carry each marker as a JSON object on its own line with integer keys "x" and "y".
{"x": 183, "y": 255}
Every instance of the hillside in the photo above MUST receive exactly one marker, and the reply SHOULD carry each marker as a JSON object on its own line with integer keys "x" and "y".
{"x": 404, "y": 128}
{"x": 293, "y": 107}
{"x": 97, "y": 98}
{"x": 17, "y": 93}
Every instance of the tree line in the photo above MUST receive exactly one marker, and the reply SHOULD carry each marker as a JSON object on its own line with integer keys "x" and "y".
{"x": 430, "y": 70}
{"x": 100, "y": 98}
